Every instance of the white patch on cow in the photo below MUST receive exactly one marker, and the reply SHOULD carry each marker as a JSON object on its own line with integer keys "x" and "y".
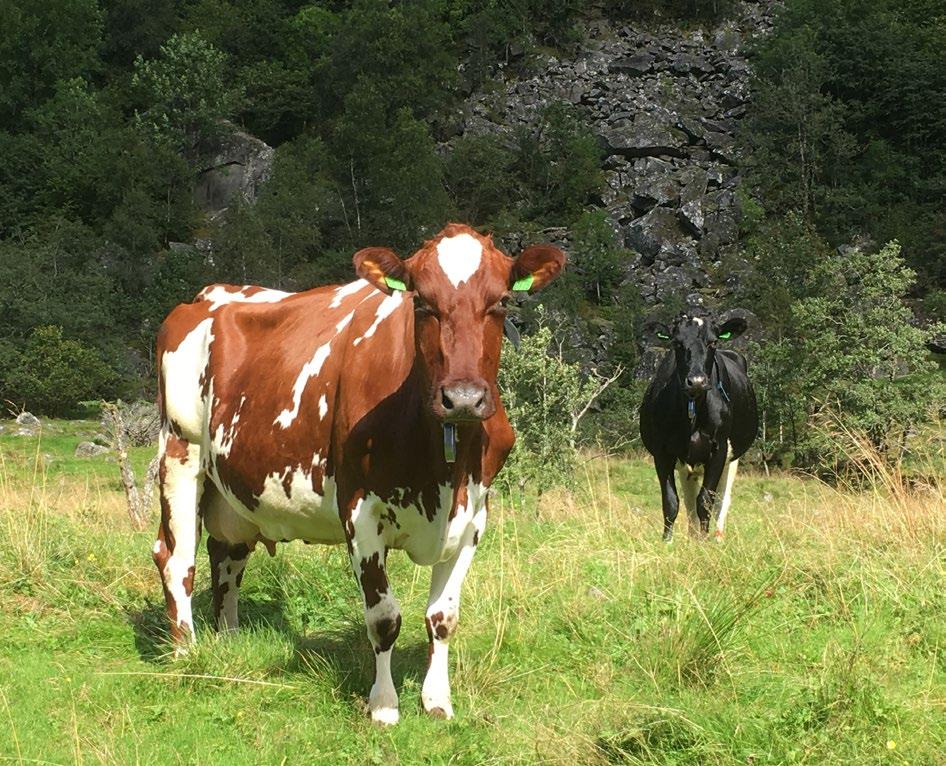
{"x": 223, "y": 437}
{"x": 446, "y": 582}
{"x": 344, "y": 321}
{"x": 323, "y": 407}
{"x": 345, "y": 290}
{"x": 300, "y": 514}
{"x": 181, "y": 490}
{"x": 459, "y": 257}
{"x": 157, "y": 547}
{"x": 726, "y": 481}
{"x": 385, "y": 309}
{"x": 697, "y": 321}
{"x": 382, "y": 701}
{"x": 228, "y": 573}
{"x": 219, "y": 296}
{"x": 309, "y": 370}
{"x": 182, "y": 370}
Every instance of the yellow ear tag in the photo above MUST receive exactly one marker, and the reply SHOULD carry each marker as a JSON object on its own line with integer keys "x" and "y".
{"x": 395, "y": 284}
{"x": 522, "y": 285}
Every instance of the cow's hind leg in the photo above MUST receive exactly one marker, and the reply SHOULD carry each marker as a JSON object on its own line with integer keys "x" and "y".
{"x": 727, "y": 481}
{"x": 178, "y": 533}
{"x": 690, "y": 485}
{"x": 368, "y": 554}
{"x": 443, "y": 613}
{"x": 226, "y": 573}
{"x": 706, "y": 500}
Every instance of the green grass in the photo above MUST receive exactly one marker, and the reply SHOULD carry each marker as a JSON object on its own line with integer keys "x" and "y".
{"x": 816, "y": 634}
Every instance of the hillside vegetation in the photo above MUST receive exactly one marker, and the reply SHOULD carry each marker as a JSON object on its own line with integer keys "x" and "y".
{"x": 110, "y": 111}
{"x": 814, "y": 634}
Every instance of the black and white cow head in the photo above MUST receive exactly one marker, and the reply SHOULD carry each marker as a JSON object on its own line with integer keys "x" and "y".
{"x": 694, "y": 339}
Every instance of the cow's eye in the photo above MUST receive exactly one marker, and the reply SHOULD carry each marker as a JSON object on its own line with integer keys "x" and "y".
{"x": 499, "y": 308}
{"x": 423, "y": 308}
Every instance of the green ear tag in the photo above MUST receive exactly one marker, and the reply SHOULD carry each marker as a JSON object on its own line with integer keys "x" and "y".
{"x": 724, "y": 335}
{"x": 524, "y": 284}
{"x": 394, "y": 284}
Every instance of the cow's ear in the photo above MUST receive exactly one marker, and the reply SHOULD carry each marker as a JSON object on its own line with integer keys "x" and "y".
{"x": 383, "y": 269}
{"x": 731, "y": 328}
{"x": 657, "y": 334}
{"x": 535, "y": 267}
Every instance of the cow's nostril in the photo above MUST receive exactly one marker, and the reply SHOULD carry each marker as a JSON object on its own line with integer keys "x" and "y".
{"x": 447, "y": 401}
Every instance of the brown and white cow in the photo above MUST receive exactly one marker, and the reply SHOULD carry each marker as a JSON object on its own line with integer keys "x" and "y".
{"x": 322, "y": 416}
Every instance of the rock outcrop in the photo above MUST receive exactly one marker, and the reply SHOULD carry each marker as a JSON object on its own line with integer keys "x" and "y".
{"x": 240, "y": 164}
{"x": 665, "y": 105}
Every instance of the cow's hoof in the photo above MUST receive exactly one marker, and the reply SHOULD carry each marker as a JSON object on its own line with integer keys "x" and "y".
{"x": 718, "y": 536}
{"x": 668, "y": 538}
{"x": 385, "y": 716}
{"x": 441, "y": 710}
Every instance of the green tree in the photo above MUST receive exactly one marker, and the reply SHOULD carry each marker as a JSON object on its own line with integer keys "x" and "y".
{"x": 185, "y": 92}
{"x": 851, "y": 355}
{"x": 52, "y": 374}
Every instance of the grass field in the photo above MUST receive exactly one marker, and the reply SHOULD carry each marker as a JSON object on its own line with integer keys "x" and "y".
{"x": 815, "y": 634}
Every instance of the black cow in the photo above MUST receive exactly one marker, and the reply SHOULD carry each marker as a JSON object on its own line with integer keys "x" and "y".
{"x": 699, "y": 412}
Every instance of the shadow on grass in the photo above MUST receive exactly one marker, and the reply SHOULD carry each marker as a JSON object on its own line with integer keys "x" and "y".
{"x": 340, "y": 651}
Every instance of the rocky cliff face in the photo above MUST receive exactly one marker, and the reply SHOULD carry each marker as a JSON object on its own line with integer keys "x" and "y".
{"x": 665, "y": 104}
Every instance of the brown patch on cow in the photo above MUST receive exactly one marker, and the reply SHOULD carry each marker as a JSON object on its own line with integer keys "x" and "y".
{"x": 176, "y": 448}
{"x": 461, "y": 496}
{"x": 387, "y": 630}
{"x": 188, "y": 581}
{"x": 440, "y": 626}
{"x": 476, "y": 537}
{"x": 287, "y": 482}
{"x": 374, "y": 582}
{"x": 380, "y": 528}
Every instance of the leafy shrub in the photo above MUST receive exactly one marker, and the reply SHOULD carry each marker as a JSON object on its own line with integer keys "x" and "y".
{"x": 52, "y": 374}
{"x": 849, "y": 355}
{"x": 545, "y": 398}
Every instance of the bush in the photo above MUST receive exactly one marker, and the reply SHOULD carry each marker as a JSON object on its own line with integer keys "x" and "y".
{"x": 545, "y": 398}
{"x": 52, "y": 374}
{"x": 849, "y": 358}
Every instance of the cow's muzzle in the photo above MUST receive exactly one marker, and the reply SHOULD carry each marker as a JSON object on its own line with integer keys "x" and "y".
{"x": 464, "y": 400}
{"x": 696, "y": 385}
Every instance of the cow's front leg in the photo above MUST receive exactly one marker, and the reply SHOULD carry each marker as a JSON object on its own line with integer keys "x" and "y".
{"x": 668, "y": 494}
{"x": 368, "y": 554}
{"x": 706, "y": 500}
{"x": 443, "y": 613}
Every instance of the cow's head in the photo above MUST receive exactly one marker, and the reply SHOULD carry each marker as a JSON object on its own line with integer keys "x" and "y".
{"x": 460, "y": 283}
{"x": 693, "y": 339}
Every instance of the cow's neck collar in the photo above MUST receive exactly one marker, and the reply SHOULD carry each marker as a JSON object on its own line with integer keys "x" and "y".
{"x": 716, "y": 381}
{"x": 450, "y": 443}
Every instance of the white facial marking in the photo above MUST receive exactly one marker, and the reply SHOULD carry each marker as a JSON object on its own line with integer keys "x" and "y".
{"x": 697, "y": 321}
{"x": 345, "y": 290}
{"x": 459, "y": 257}
{"x": 309, "y": 370}
{"x": 385, "y": 309}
